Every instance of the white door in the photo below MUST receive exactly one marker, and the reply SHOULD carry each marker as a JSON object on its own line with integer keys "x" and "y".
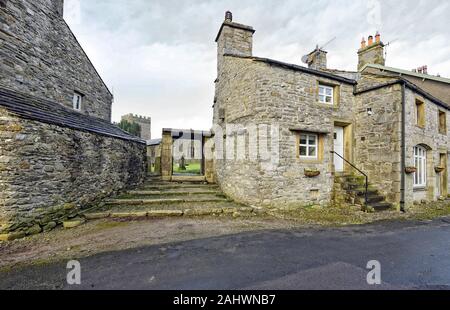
{"x": 339, "y": 148}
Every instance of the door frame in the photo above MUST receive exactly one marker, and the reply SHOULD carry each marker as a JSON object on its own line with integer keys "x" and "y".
{"x": 336, "y": 136}
{"x": 348, "y": 144}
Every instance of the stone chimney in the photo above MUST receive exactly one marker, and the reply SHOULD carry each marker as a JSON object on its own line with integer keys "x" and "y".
{"x": 59, "y": 7}
{"x": 233, "y": 38}
{"x": 373, "y": 53}
{"x": 317, "y": 59}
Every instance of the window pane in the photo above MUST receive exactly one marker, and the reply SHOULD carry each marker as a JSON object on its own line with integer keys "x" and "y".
{"x": 312, "y": 140}
{"x": 321, "y": 90}
{"x": 302, "y": 150}
{"x": 312, "y": 151}
{"x": 303, "y": 139}
{"x": 329, "y": 91}
{"x": 322, "y": 98}
{"x": 329, "y": 100}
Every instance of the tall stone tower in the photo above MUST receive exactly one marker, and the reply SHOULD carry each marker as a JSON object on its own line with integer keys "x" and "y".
{"x": 144, "y": 122}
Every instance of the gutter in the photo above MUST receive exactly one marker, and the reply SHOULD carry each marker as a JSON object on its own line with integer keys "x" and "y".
{"x": 403, "y": 152}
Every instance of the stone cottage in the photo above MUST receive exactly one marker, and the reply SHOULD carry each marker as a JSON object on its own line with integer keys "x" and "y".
{"x": 59, "y": 152}
{"x": 331, "y": 127}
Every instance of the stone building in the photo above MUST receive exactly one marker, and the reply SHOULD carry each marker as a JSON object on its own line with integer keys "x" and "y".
{"x": 144, "y": 122}
{"x": 59, "y": 152}
{"x": 319, "y": 126}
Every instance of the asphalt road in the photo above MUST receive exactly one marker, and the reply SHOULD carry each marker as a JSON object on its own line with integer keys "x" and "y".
{"x": 412, "y": 256}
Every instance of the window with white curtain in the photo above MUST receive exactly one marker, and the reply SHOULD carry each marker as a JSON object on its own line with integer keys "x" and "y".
{"x": 420, "y": 162}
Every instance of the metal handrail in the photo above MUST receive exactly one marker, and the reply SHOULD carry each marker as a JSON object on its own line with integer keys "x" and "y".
{"x": 366, "y": 194}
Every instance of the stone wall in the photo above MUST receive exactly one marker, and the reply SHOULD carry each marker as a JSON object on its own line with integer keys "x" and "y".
{"x": 378, "y": 138}
{"x": 49, "y": 173}
{"x": 40, "y": 55}
{"x": 429, "y": 136}
{"x": 253, "y": 92}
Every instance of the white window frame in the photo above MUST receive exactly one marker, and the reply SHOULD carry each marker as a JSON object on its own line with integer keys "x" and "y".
{"x": 309, "y": 146}
{"x": 323, "y": 94}
{"x": 77, "y": 101}
{"x": 420, "y": 162}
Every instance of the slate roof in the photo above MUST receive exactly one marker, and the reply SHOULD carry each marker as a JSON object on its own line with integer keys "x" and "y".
{"x": 294, "y": 67}
{"x": 154, "y": 142}
{"x": 50, "y": 112}
{"x": 411, "y": 86}
{"x": 406, "y": 72}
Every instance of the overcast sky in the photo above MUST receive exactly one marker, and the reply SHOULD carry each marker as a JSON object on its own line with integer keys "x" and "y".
{"x": 159, "y": 56}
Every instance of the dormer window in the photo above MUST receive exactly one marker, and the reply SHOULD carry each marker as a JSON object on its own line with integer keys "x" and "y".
{"x": 77, "y": 101}
{"x": 326, "y": 94}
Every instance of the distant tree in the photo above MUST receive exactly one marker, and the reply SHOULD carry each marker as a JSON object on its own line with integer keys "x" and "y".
{"x": 130, "y": 127}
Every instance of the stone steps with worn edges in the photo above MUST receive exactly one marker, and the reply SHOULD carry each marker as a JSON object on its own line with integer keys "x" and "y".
{"x": 139, "y": 201}
{"x": 169, "y": 210}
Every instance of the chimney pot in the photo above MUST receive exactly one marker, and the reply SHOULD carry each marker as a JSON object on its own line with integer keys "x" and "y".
{"x": 228, "y": 16}
{"x": 378, "y": 37}
{"x": 370, "y": 40}
{"x": 363, "y": 43}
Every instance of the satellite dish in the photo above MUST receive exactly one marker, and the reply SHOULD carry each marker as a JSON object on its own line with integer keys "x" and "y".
{"x": 307, "y": 59}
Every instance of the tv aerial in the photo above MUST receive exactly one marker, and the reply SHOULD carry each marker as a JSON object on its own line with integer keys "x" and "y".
{"x": 309, "y": 58}
{"x": 385, "y": 48}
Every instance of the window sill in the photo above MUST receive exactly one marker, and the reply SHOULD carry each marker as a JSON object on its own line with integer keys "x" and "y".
{"x": 309, "y": 161}
{"x": 327, "y": 105}
{"x": 420, "y": 189}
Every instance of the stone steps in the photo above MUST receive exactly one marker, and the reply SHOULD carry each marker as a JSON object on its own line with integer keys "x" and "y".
{"x": 355, "y": 188}
{"x": 170, "y": 210}
{"x": 175, "y": 192}
{"x": 152, "y": 201}
{"x": 165, "y": 186}
{"x": 158, "y": 198}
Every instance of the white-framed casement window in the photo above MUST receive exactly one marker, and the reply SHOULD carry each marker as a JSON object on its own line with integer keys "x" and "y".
{"x": 420, "y": 162}
{"x": 326, "y": 94}
{"x": 309, "y": 146}
{"x": 77, "y": 101}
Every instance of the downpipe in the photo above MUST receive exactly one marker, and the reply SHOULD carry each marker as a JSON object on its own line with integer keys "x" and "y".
{"x": 403, "y": 152}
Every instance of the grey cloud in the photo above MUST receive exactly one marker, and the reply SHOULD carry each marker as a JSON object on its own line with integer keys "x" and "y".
{"x": 159, "y": 55}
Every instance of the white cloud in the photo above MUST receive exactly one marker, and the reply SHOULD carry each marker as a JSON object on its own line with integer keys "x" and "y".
{"x": 159, "y": 56}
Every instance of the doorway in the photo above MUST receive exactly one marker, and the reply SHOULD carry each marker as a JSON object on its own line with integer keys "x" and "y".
{"x": 188, "y": 157}
{"x": 339, "y": 148}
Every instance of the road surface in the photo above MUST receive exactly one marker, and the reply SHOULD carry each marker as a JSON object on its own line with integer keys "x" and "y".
{"x": 413, "y": 255}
